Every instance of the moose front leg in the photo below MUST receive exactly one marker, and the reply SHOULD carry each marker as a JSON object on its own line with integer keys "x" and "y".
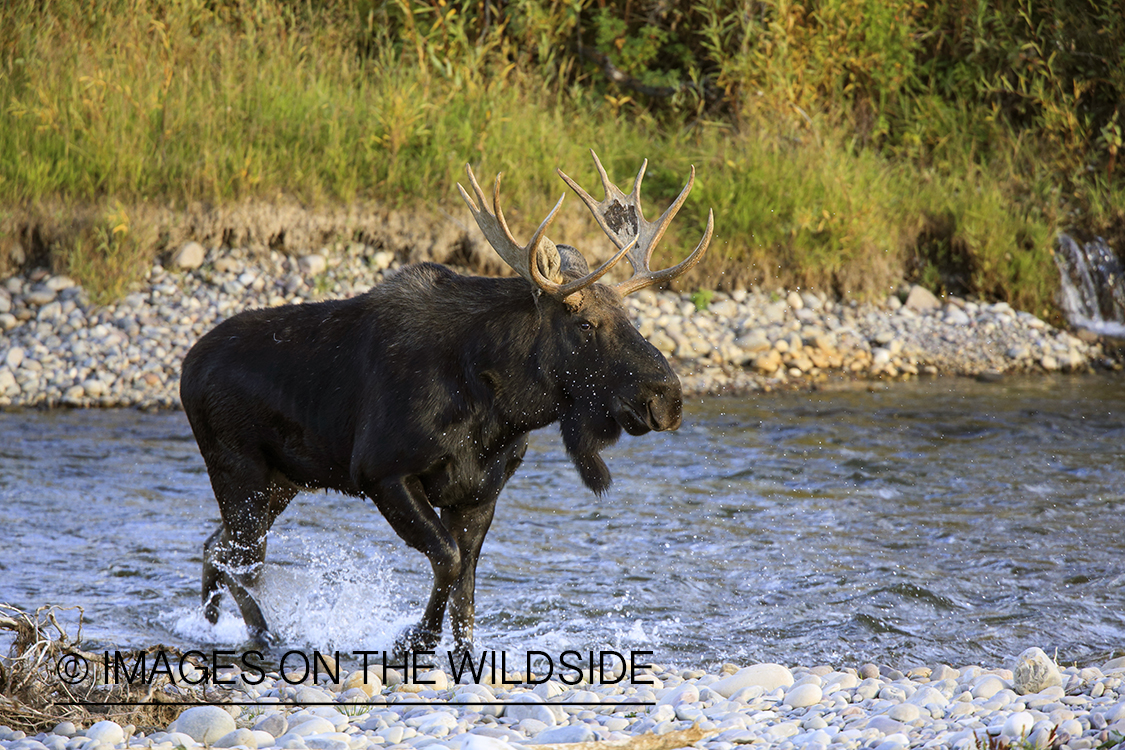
{"x": 404, "y": 504}
{"x": 469, "y": 524}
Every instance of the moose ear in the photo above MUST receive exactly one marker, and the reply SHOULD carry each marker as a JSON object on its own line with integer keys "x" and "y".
{"x": 571, "y": 263}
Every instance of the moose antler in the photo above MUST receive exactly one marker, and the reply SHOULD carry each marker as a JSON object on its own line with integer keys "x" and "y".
{"x": 539, "y": 260}
{"x": 621, "y": 218}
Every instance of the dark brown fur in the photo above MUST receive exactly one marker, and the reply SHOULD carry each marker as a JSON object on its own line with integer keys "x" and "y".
{"x": 419, "y": 395}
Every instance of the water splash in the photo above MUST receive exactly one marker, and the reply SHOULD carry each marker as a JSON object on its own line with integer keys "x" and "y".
{"x": 1093, "y": 286}
{"x": 329, "y": 597}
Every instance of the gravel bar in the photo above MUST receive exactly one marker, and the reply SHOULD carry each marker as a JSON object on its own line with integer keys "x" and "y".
{"x": 1032, "y": 704}
{"x": 57, "y": 349}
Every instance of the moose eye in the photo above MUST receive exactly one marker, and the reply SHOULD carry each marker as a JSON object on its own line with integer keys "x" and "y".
{"x": 585, "y": 325}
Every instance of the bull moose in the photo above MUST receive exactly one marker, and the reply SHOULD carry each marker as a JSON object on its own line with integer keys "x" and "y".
{"x": 420, "y": 394}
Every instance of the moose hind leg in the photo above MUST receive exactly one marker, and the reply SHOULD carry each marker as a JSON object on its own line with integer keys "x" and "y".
{"x": 234, "y": 555}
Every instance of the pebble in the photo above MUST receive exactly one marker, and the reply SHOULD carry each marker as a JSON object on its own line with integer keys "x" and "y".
{"x": 189, "y": 256}
{"x": 802, "y": 696}
{"x": 108, "y": 732}
{"x": 204, "y": 724}
{"x": 768, "y": 677}
{"x": 1034, "y": 671}
{"x": 59, "y": 349}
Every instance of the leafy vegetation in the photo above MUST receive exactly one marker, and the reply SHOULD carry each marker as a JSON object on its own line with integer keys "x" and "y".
{"x": 843, "y": 143}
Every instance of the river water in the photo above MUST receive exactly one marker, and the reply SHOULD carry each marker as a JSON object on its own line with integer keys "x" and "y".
{"x": 945, "y": 520}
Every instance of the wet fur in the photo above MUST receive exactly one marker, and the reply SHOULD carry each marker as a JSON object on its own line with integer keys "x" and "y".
{"x": 419, "y": 395}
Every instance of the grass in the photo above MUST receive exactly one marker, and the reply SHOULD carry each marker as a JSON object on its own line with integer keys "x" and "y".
{"x": 835, "y": 173}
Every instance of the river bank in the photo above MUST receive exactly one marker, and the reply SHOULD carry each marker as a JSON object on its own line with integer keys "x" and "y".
{"x": 56, "y": 349}
{"x": 1032, "y": 704}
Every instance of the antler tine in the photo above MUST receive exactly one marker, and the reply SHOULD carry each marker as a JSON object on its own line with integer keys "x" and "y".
{"x": 494, "y": 228}
{"x": 526, "y": 260}
{"x": 640, "y": 281}
{"x": 620, "y": 216}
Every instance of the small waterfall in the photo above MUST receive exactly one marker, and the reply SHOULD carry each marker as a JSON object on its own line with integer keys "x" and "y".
{"x": 1093, "y": 286}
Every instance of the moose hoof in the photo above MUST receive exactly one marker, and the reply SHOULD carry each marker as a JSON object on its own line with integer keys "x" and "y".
{"x": 263, "y": 637}
{"x": 415, "y": 638}
{"x": 211, "y": 609}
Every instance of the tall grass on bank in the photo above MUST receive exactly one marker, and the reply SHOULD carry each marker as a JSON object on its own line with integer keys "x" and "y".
{"x": 843, "y": 143}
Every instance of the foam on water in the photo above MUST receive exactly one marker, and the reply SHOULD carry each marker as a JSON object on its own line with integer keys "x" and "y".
{"x": 190, "y": 624}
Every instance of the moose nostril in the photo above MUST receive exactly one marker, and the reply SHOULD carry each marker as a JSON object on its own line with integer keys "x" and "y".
{"x": 663, "y": 412}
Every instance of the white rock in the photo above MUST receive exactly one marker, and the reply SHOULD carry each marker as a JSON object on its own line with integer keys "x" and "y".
{"x": 274, "y": 723}
{"x": 1034, "y": 671}
{"x": 769, "y": 677}
{"x": 530, "y": 706}
{"x": 793, "y": 299}
{"x": 204, "y": 724}
{"x": 382, "y": 260}
{"x": 14, "y": 358}
{"x": 955, "y": 316}
{"x": 313, "y": 264}
{"x": 723, "y": 308}
{"x": 369, "y": 681}
{"x": 905, "y": 712}
{"x": 802, "y": 696}
{"x": 987, "y": 686}
{"x": 94, "y": 387}
{"x": 840, "y": 681}
{"x": 38, "y": 297}
{"x": 240, "y": 737}
{"x": 753, "y": 342}
{"x": 439, "y": 679}
{"x": 311, "y": 695}
{"x": 310, "y": 725}
{"x": 58, "y": 283}
{"x": 328, "y": 741}
{"x": 109, "y": 732}
{"x": 683, "y": 693}
{"x": 921, "y": 299}
{"x": 392, "y": 735}
{"x": 894, "y": 742}
{"x": 569, "y": 733}
{"x": 264, "y": 739}
{"x": 189, "y": 256}
{"x": 784, "y": 729}
{"x": 927, "y": 696}
{"x": 549, "y": 689}
{"x": 1114, "y": 665}
{"x": 1018, "y": 725}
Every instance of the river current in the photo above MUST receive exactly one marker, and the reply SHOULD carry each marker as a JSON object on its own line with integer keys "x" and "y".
{"x": 945, "y": 520}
